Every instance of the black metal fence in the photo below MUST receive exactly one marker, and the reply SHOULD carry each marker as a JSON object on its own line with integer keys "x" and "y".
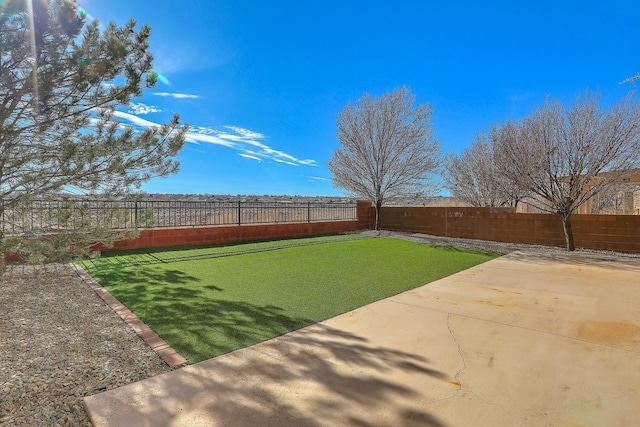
{"x": 56, "y": 215}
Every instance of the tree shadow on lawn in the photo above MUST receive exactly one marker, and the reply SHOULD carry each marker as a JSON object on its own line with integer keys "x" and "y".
{"x": 357, "y": 377}
{"x": 196, "y": 320}
{"x": 208, "y": 328}
{"x": 138, "y": 285}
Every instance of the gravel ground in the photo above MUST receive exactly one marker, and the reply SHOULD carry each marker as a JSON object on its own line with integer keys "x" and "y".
{"x": 59, "y": 342}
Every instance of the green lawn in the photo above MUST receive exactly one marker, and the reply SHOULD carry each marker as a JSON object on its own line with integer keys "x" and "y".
{"x": 209, "y": 301}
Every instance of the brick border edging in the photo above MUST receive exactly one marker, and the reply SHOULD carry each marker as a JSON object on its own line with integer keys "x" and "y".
{"x": 157, "y": 344}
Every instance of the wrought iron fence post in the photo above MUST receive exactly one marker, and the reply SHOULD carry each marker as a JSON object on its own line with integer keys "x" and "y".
{"x": 167, "y": 213}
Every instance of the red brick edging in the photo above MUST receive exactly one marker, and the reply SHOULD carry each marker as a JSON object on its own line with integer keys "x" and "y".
{"x": 157, "y": 344}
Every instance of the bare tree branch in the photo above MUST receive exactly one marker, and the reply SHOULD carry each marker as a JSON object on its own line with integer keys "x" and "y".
{"x": 388, "y": 148}
{"x": 474, "y": 176}
{"x": 566, "y": 155}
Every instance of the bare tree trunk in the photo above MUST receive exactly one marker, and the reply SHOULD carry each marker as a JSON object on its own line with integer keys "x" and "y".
{"x": 568, "y": 231}
{"x": 378, "y": 208}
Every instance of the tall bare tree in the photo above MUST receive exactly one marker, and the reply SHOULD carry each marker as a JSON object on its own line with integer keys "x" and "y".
{"x": 61, "y": 80}
{"x": 388, "y": 148}
{"x": 474, "y": 176}
{"x": 631, "y": 79}
{"x": 567, "y": 154}
{"x": 615, "y": 200}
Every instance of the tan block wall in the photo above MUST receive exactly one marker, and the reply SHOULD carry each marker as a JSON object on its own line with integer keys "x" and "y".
{"x": 604, "y": 232}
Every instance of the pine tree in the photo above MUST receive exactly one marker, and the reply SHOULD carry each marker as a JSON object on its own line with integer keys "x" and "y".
{"x": 61, "y": 79}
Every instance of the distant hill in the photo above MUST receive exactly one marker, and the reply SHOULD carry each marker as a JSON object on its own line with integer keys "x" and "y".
{"x": 432, "y": 202}
{"x": 248, "y": 198}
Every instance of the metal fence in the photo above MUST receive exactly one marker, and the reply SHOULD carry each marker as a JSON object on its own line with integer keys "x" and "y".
{"x": 56, "y": 215}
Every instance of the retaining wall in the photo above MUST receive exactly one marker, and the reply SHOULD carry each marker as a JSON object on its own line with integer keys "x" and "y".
{"x": 163, "y": 237}
{"x": 154, "y": 238}
{"x": 604, "y": 232}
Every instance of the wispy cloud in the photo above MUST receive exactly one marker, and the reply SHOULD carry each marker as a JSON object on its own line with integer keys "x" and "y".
{"x": 177, "y": 95}
{"x": 135, "y": 120}
{"x": 245, "y": 132}
{"x": 249, "y": 156}
{"x": 197, "y": 138}
{"x": 248, "y": 143}
{"x": 317, "y": 178}
{"x": 141, "y": 108}
{"x": 195, "y": 149}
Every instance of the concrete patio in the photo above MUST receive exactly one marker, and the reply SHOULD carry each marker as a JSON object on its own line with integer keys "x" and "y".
{"x": 523, "y": 340}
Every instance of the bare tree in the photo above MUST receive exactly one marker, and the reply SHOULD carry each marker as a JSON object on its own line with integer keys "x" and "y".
{"x": 631, "y": 79}
{"x": 566, "y": 155}
{"x": 475, "y": 178}
{"x": 616, "y": 199}
{"x": 388, "y": 148}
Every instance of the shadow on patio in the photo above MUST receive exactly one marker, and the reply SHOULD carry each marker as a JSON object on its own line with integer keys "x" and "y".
{"x": 316, "y": 376}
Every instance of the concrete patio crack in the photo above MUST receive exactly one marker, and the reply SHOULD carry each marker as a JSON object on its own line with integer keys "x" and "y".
{"x": 456, "y": 380}
{"x": 464, "y": 362}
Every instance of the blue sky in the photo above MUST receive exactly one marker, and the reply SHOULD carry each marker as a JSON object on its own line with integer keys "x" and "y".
{"x": 260, "y": 83}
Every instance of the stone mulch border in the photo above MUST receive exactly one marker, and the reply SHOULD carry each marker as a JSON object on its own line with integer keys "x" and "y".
{"x": 153, "y": 340}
